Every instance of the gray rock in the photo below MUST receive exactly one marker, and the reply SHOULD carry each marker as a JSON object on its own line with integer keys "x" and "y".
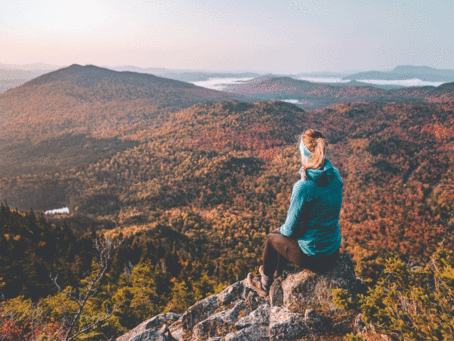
{"x": 261, "y": 316}
{"x": 247, "y": 291}
{"x": 153, "y": 335}
{"x": 310, "y": 289}
{"x": 199, "y": 311}
{"x": 258, "y": 317}
{"x": 243, "y": 322}
{"x": 253, "y": 300}
{"x": 149, "y": 325}
{"x": 155, "y": 321}
{"x": 166, "y": 332}
{"x": 177, "y": 330}
{"x": 276, "y": 294}
{"x": 232, "y": 314}
{"x": 253, "y": 333}
{"x": 208, "y": 327}
{"x": 222, "y": 319}
{"x": 149, "y": 335}
{"x": 214, "y": 317}
{"x": 231, "y": 293}
{"x": 315, "y": 322}
{"x": 172, "y": 317}
{"x": 285, "y": 325}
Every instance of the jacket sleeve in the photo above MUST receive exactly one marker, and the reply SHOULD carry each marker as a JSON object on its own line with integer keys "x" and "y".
{"x": 293, "y": 223}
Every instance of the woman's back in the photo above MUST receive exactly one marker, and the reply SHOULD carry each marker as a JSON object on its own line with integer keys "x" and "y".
{"x": 313, "y": 216}
{"x": 310, "y": 236}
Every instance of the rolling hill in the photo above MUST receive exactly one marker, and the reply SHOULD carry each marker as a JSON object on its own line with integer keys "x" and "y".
{"x": 184, "y": 75}
{"x": 89, "y": 99}
{"x": 98, "y": 104}
{"x": 316, "y": 95}
{"x": 241, "y": 158}
{"x": 12, "y": 76}
{"x": 401, "y": 72}
{"x": 196, "y": 197}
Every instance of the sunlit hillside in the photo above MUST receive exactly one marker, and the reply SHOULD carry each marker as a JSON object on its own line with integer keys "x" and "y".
{"x": 80, "y": 112}
{"x": 211, "y": 159}
{"x": 195, "y": 200}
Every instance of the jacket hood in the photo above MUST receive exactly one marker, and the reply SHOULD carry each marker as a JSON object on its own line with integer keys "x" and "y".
{"x": 322, "y": 176}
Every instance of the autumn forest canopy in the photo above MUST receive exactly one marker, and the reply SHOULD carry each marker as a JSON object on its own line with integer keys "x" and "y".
{"x": 193, "y": 180}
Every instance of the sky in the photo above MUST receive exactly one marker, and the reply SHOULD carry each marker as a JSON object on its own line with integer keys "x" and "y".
{"x": 275, "y": 36}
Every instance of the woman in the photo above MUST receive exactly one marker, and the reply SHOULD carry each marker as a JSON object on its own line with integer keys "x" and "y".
{"x": 310, "y": 236}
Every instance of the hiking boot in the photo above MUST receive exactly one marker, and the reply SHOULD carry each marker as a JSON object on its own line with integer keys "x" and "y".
{"x": 260, "y": 284}
{"x": 276, "y": 273}
{"x": 256, "y": 284}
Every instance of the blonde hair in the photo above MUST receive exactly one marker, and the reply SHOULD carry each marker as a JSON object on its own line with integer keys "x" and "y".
{"x": 314, "y": 141}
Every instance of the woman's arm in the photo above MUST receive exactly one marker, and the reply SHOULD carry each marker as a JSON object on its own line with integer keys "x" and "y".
{"x": 293, "y": 223}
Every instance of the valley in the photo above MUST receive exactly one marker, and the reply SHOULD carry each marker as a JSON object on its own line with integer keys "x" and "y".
{"x": 193, "y": 179}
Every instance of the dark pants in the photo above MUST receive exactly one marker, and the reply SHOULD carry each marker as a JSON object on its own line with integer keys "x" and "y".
{"x": 279, "y": 250}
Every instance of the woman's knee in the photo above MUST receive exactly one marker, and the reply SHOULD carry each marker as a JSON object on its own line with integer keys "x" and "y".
{"x": 270, "y": 238}
{"x": 276, "y": 231}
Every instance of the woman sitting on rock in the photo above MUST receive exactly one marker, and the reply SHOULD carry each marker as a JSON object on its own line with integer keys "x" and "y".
{"x": 310, "y": 236}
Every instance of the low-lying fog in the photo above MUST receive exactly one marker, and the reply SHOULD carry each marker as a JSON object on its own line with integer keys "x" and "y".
{"x": 63, "y": 210}
{"x": 223, "y": 83}
{"x": 220, "y": 83}
{"x": 403, "y": 82}
{"x": 323, "y": 80}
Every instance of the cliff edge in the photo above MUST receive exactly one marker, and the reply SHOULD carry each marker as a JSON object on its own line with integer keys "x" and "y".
{"x": 298, "y": 306}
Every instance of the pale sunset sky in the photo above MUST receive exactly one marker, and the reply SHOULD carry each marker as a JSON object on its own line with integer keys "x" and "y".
{"x": 280, "y": 36}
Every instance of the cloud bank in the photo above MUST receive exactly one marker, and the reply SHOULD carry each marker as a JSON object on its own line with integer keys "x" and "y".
{"x": 324, "y": 80}
{"x": 220, "y": 83}
{"x": 404, "y": 82}
{"x": 62, "y": 210}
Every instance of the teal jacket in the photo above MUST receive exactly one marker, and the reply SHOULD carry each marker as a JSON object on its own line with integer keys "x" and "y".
{"x": 313, "y": 216}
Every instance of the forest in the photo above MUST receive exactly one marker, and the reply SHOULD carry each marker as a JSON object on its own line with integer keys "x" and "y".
{"x": 193, "y": 199}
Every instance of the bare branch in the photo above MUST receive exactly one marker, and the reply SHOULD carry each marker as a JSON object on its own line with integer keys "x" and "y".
{"x": 104, "y": 251}
{"x": 94, "y": 324}
{"x": 68, "y": 295}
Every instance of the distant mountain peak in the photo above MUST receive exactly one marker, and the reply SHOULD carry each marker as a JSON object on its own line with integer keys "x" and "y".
{"x": 413, "y": 68}
{"x": 424, "y": 73}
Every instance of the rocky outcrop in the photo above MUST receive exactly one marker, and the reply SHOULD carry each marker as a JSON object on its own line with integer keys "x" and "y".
{"x": 155, "y": 328}
{"x": 312, "y": 289}
{"x": 296, "y": 307}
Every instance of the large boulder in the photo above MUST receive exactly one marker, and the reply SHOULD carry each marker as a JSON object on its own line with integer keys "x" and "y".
{"x": 220, "y": 320}
{"x": 308, "y": 289}
{"x": 199, "y": 312}
{"x": 286, "y": 325}
{"x": 292, "y": 311}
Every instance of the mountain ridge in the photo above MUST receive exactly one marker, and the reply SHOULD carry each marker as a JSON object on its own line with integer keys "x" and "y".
{"x": 77, "y": 99}
{"x": 95, "y": 103}
{"x": 403, "y": 72}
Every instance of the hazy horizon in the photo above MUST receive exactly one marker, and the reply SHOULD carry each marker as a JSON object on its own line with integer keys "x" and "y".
{"x": 223, "y": 84}
{"x": 230, "y": 36}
